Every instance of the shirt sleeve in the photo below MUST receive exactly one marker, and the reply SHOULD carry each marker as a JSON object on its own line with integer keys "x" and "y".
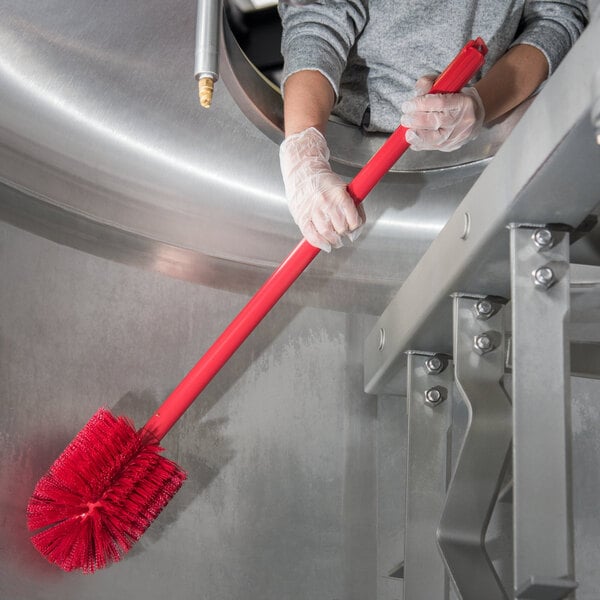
{"x": 552, "y": 27}
{"x": 318, "y": 36}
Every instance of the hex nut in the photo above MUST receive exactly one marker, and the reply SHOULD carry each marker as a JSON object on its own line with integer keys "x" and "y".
{"x": 543, "y": 238}
{"x": 482, "y": 344}
{"x": 484, "y": 309}
{"x": 435, "y": 395}
{"x": 434, "y": 365}
{"x": 544, "y": 277}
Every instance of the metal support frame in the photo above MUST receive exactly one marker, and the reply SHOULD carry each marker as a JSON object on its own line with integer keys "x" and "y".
{"x": 479, "y": 343}
{"x": 556, "y": 180}
{"x": 430, "y": 379}
{"x": 543, "y": 527}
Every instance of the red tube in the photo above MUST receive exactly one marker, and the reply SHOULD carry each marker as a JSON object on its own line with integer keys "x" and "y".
{"x": 453, "y": 79}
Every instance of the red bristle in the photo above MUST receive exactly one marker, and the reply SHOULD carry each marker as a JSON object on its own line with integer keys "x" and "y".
{"x": 101, "y": 494}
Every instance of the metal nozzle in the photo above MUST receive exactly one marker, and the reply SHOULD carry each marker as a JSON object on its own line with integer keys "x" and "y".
{"x": 205, "y": 91}
{"x": 206, "y": 67}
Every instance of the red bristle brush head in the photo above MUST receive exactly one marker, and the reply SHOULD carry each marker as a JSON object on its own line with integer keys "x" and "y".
{"x": 101, "y": 494}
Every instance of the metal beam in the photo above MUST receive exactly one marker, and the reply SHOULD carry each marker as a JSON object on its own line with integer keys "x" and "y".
{"x": 430, "y": 379}
{"x": 543, "y": 520}
{"x": 479, "y": 366}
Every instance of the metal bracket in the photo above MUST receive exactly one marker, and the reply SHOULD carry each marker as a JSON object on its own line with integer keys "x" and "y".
{"x": 543, "y": 521}
{"x": 430, "y": 378}
{"x": 473, "y": 491}
{"x": 546, "y": 589}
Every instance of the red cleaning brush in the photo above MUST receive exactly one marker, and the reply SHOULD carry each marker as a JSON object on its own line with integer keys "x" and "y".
{"x": 111, "y": 482}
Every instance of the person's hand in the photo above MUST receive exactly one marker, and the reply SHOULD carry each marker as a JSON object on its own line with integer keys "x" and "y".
{"x": 442, "y": 121}
{"x": 317, "y": 197}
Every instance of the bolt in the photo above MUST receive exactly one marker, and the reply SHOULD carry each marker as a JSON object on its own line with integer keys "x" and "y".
{"x": 435, "y": 395}
{"x": 544, "y": 277}
{"x": 484, "y": 309}
{"x": 381, "y": 339}
{"x": 466, "y": 226}
{"x": 434, "y": 365}
{"x": 483, "y": 343}
{"x": 542, "y": 238}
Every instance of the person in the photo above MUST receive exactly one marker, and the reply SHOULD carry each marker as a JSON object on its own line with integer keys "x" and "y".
{"x": 360, "y": 59}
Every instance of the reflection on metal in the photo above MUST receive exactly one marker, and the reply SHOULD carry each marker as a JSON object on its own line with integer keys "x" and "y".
{"x": 428, "y": 473}
{"x": 100, "y": 126}
{"x": 596, "y": 105}
{"x": 479, "y": 471}
{"x": 543, "y": 527}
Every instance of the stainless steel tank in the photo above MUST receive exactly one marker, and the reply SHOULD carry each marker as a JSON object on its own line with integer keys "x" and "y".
{"x": 102, "y": 138}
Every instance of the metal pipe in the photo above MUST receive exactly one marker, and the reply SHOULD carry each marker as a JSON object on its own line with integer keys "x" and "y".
{"x": 206, "y": 66}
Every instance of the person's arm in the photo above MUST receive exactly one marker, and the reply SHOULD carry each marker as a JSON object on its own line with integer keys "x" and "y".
{"x": 317, "y": 38}
{"x": 549, "y": 29}
{"x": 309, "y": 99}
{"x": 447, "y": 121}
{"x": 512, "y": 80}
{"x": 317, "y": 197}
{"x": 315, "y": 45}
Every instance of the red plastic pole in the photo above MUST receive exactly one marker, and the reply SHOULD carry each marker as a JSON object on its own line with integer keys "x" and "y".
{"x": 453, "y": 79}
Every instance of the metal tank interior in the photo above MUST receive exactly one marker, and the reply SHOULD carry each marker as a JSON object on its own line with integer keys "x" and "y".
{"x": 355, "y": 447}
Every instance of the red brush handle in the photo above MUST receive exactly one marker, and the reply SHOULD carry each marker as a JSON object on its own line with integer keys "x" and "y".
{"x": 453, "y": 79}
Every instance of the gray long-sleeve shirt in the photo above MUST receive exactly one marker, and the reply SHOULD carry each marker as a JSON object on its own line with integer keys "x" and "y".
{"x": 373, "y": 51}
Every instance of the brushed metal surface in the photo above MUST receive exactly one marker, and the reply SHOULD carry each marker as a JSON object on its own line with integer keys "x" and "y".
{"x": 280, "y": 498}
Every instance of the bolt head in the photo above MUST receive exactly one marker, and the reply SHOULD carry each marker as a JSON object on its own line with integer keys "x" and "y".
{"x": 543, "y": 238}
{"x": 544, "y": 277}
{"x": 483, "y": 343}
{"x": 434, "y": 365}
{"x": 484, "y": 309}
{"x": 435, "y": 395}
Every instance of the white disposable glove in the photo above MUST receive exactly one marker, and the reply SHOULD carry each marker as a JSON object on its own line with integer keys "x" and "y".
{"x": 317, "y": 197}
{"x": 442, "y": 121}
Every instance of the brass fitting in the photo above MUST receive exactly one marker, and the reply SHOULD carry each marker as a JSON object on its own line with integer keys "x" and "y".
{"x": 205, "y": 91}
